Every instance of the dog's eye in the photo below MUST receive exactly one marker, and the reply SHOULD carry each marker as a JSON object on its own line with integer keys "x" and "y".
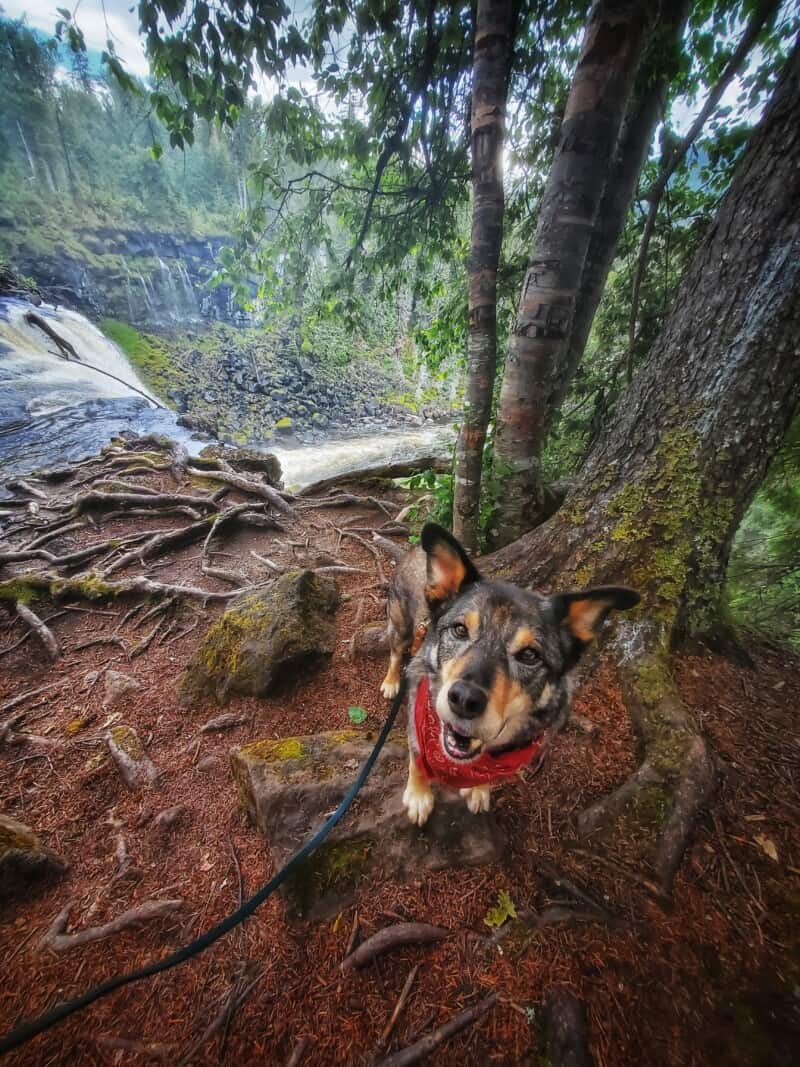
{"x": 528, "y": 656}
{"x": 460, "y": 631}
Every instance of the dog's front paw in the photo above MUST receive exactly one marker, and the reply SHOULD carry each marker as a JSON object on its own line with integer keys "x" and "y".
{"x": 390, "y": 687}
{"x": 418, "y": 801}
{"x": 478, "y": 798}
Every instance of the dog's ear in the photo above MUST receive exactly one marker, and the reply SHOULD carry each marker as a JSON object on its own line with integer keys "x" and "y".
{"x": 449, "y": 567}
{"x": 583, "y": 613}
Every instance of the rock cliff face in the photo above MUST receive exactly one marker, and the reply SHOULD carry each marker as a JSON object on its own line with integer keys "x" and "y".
{"x": 142, "y": 277}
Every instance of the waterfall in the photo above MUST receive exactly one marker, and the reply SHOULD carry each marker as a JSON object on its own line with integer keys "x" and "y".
{"x": 169, "y": 288}
{"x": 148, "y": 300}
{"x": 189, "y": 299}
{"x": 34, "y": 376}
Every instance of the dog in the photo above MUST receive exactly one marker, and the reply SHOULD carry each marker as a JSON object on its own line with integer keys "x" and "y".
{"x": 491, "y": 679}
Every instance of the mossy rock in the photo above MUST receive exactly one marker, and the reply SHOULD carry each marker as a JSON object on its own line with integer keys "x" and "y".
{"x": 288, "y": 786}
{"x": 24, "y": 861}
{"x": 246, "y": 460}
{"x": 268, "y": 634}
{"x": 284, "y": 425}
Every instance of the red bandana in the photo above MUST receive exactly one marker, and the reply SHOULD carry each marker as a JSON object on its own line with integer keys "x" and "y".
{"x": 437, "y": 766}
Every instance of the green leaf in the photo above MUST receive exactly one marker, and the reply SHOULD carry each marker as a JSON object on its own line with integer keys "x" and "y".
{"x": 357, "y": 715}
{"x": 503, "y": 909}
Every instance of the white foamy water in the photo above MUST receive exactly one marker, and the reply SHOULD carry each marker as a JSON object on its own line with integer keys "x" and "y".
{"x": 313, "y": 463}
{"x": 54, "y": 410}
{"x": 34, "y": 377}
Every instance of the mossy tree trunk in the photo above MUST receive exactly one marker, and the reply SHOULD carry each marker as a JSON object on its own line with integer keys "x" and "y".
{"x": 615, "y": 37}
{"x": 494, "y": 29}
{"x": 662, "y": 493}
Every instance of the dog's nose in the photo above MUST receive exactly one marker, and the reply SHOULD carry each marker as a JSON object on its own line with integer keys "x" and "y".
{"x": 466, "y": 699}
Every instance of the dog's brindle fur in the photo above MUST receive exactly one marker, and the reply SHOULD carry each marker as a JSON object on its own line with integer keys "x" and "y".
{"x": 498, "y": 658}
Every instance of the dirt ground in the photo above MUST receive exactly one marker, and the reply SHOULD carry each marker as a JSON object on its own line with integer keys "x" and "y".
{"x": 713, "y": 980}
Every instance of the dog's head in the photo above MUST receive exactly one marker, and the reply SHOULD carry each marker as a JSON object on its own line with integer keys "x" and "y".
{"x": 497, "y": 656}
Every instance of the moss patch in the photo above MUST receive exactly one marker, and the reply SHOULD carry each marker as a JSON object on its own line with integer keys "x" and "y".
{"x": 148, "y": 354}
{"x": 336, "y": 866}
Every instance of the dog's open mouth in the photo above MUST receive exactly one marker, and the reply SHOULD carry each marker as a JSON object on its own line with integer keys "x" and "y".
{"x": 460, "y": 746}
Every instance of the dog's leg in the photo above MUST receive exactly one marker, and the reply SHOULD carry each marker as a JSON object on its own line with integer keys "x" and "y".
{"x": 478, "y": 798}
{"x": 418, "y": 798}
{"x": 391, "y": 683}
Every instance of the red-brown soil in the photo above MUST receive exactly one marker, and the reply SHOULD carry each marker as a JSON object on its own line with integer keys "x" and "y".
{"x": 713, "y": 980}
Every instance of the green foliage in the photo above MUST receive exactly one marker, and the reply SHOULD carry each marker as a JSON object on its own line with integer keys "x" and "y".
{"x": 763, "y": 587}
{"x": 436, "y": 505}
{"x": 504, "y": 909}
{"x": 148, "y": 354}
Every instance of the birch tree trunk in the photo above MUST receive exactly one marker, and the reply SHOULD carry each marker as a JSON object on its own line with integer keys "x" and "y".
{"x": 662, "y": 494}
{"x": 611, "y": 52}
{"x": 490, "y": 73}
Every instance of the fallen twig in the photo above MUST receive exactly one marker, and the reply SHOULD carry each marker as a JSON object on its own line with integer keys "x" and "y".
{"x": 237, "y": 994}
{"x": 414, "y": 1053}
{"x": 401, "y": 1003}
{"x": 298, "y": 1052}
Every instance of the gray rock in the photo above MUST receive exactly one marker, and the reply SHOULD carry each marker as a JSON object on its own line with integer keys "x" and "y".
{"x": 133, "y": 763}
{"x": 24, "y": 860}
{"x": 289, "y": 786}
{"x": 267, "y": 634}
{"x": 119, "y": 687}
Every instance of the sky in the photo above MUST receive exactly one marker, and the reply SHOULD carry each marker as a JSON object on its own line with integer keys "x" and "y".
{"x": 119, "y": 22}
{"x": 99, "y": 18}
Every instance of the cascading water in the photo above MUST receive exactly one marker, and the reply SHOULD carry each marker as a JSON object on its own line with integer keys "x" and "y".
{"x": 53, "y": 411}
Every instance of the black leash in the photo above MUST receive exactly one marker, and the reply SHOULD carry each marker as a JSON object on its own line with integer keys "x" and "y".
{"x": 28, "y": 1030}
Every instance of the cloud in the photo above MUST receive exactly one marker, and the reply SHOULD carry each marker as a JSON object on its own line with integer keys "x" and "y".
{"x": 117, "y": 22}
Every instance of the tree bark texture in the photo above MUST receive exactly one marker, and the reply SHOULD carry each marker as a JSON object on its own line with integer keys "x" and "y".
{"x": 601, "y": 88}
{"x": 645, "y": 109}
{"x": 490, "y": 73}
{"x": 663, "y": 492}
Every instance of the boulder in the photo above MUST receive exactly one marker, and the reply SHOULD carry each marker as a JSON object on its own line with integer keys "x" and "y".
{"x": 266, "y": 635}
{"x": 24, "y": 860}
{"x": 288, "y": 788}
{"x": 247, "y": 460}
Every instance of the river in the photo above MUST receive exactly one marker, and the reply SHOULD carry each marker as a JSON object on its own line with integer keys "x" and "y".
{"x": 53, "y": 410}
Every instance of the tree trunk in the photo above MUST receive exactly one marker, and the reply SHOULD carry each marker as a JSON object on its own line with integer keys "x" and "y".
{"x": 491, "y": 67}
{"x": 663, "y": 492}
{"x": 645, "y": 109}
{"x": 602, "y": 85}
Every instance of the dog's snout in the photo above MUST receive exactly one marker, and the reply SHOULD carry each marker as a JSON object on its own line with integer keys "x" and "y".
{"x": 466, "y": 699}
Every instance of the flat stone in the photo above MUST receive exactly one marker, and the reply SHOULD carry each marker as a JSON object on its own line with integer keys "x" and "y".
{"x": 133, "y": 763}
{"x": 267, "y": 634}
{"x": 118, "y": 687}
{"x": 24, "y": 860}
{"x": 288, "y": 788}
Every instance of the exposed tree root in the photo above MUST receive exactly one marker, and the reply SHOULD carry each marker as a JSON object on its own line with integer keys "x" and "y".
{"x": 94, "y": 588}
{"x": 42, "y": 631}
{"x": 58, "y": 940}
{"x": 395, "y": 552}
{"x": 428, "y": 1044}
{"x": 655, "y": 808}
{"x": 246, "y": 485}
{"x": 392, "y": 937}
{"x": 98, "y": 500}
